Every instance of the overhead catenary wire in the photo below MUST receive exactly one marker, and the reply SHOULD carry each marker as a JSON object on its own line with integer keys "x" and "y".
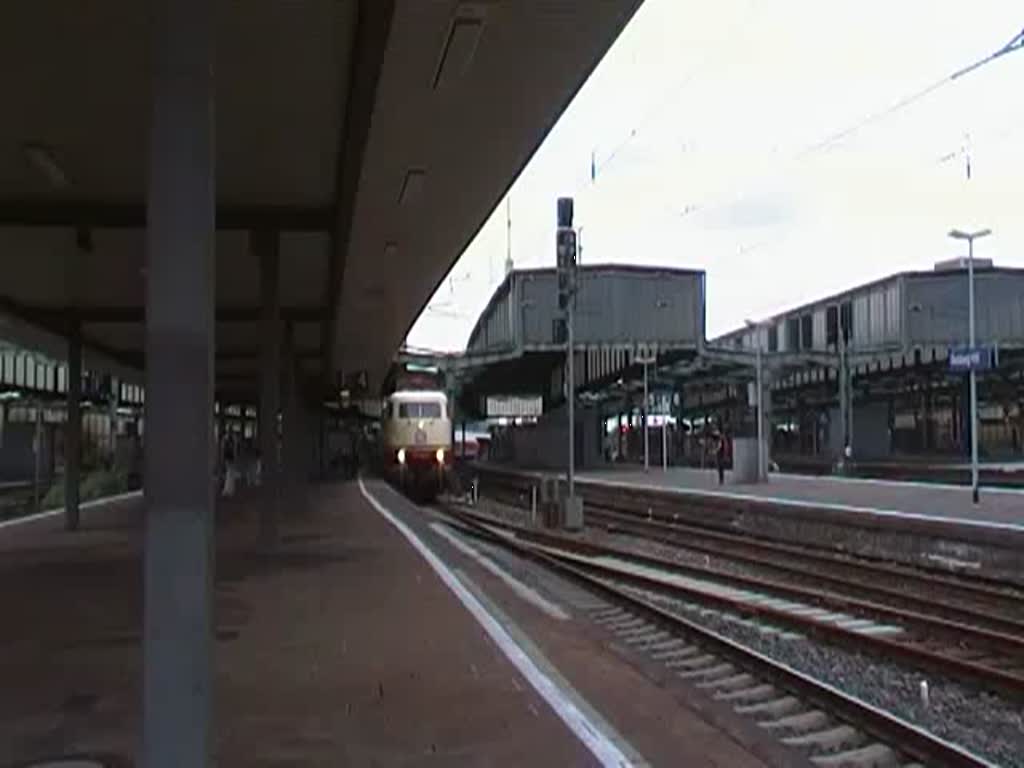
{"x": 597, "y": 166}
{"x": 1015, "y": 44}
{"x": 589, "y": 177}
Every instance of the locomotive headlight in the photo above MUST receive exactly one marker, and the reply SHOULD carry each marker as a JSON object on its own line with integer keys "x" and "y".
{"x": 440, "y": 455}
{"x": 401, "y": 455}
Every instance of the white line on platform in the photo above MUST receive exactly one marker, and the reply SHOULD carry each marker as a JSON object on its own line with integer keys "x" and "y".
{"x": 60, "y": 510}
{"x": 877, "y": 481}
{"x": 528, "y": 594}
{"x": 803, "y": 503}
{"x": 585, "y": 730}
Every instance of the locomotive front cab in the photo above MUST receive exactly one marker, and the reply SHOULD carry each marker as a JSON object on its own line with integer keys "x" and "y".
{"x": 418, "y": 440}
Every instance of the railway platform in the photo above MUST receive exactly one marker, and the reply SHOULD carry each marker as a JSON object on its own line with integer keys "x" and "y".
{"x": 370, "y": 635}
{"x": 929, "y": 501}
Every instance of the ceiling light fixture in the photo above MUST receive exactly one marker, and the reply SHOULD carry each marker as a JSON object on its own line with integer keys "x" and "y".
{"x": 43, "y": 160}
{"x": 412, "y": 186}
{"x": 460, "y": 44}
{"x": 83, "y": 239}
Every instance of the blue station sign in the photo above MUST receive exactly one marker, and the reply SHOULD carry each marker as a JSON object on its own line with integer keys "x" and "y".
{"x": 962, "y": 359}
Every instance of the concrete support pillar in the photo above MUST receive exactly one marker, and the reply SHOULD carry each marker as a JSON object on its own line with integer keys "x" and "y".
{"x": 890, "y": 423}
{"x": 179, "y": 460}
{"x": 929, "y": 419}
{"x": 73, "y": 430}
{"x": 291, "y": 427}
{"x": 802, "y": 427}
{"x": 264, "y": 245}
{"x": 220, "y": 421}
{"x": 313, "y": 444}
{"x": 321, "y": 441}
{"x": 954, "y": 417}
{"x": 37, "y": 453}
{"x": 309, "y": 441}
{"x": 304, "y": 456}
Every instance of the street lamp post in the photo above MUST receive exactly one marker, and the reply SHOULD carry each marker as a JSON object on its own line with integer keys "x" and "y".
{"x": 970, "y": 237}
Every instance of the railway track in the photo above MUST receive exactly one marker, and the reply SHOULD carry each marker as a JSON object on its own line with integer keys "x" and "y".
{"x": 977, "y": 604}
{"x": 977, "y": 601}
{"x": 928, "y": 641}
{"x": 829, "y": 727}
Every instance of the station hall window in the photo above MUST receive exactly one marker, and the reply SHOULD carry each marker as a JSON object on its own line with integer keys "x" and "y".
{"x": 832, "y": 325}
{"x": 792, "y": 333}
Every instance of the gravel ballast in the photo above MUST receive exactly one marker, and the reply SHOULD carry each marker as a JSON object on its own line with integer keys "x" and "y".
{"x": 982, "y": 722}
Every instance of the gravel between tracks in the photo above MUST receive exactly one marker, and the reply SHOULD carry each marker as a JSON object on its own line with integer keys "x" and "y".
{"x": 984, "y": 723}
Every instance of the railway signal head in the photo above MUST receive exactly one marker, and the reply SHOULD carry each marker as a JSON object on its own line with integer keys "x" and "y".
{"x": 565, "y": 212}
{"x": 566, "y": 255}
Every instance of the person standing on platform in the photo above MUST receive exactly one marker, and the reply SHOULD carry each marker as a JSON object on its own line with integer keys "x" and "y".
{"x": 720, "y": 457}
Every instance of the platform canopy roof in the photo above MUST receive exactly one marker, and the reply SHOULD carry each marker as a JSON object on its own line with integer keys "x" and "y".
{"x": 374, "y": 135}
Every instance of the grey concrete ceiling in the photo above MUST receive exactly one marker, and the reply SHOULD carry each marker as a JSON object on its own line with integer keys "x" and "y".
{"x": 325, "y": 108}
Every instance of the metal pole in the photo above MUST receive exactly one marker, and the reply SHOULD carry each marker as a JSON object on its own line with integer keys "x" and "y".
{"x": 266, "y": 245}
{"x": 843, "y": 393}
{"x": 974, "y": 375}
{"x": 290, "y": 430}
{"x": 114, "y": 392}
{"x": 73, "y": 430}
{"x": 646, "y": 415}
{"x": 664, "y": 445}
{"x": 760, "y": 414}
{"x": 571, "y": 394}
{"x": 849, "y": 404}
{"x": 37, "y": 444}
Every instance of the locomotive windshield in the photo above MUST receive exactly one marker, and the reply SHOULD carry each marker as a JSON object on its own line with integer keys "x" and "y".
{"x": 419, "y": 410}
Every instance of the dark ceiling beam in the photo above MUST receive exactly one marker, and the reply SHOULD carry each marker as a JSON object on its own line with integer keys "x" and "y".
{"x": 253, "y": 353}
{"x": 110, "y": 215}
{"x": 114, "y": 315}
{"x": 61, "y": 325}
{"x": 372, "y": 28}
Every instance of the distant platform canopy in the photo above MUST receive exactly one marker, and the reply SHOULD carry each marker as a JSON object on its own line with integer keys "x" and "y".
{"x": 897, "y": 334}
{"x": 900, "y": 313}
{"x": 623, "y": 316}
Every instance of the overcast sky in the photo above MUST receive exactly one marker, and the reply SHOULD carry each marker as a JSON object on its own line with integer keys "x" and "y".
{"x": 706, "y": 121}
